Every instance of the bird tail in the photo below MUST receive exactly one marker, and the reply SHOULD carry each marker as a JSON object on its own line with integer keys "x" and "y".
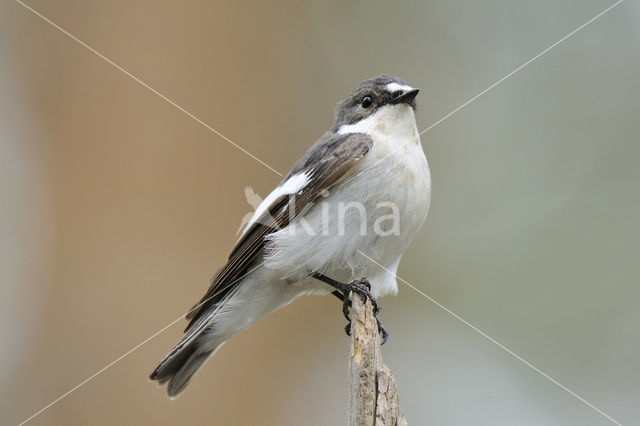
{"x": 253, "y": 300}
{"x": 187, "y": 356}
{"x": 181, "y": 364}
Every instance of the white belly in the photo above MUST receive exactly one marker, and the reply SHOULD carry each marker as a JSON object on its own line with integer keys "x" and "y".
{"x": 394, "y": 173}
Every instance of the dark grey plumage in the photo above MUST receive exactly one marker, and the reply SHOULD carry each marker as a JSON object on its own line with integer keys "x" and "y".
{"x": 349, "y": 110}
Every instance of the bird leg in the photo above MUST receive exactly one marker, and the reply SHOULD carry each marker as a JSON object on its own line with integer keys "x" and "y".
{"x": 342, "y": 292}
{"x": 346, "y": 304}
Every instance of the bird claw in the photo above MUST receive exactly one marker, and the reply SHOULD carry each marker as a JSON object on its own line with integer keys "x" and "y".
{"x": 343, "y": 292}
{"x": 362, "y": 287}
{"x": 365, "y": 282}
{"x": 382, "y": 331}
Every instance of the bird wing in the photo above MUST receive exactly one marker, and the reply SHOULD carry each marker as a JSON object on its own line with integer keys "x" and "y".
{"x": 328, "y": 161}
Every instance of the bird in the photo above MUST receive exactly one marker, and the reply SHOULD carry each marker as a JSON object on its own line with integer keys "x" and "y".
{"x": 338, "y": 223}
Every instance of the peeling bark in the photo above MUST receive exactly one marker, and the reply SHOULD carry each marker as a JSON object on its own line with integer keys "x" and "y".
{"x": 373, "y": 389}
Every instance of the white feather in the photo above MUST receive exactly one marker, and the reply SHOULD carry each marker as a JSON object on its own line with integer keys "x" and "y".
{"x": 294, "y": 184}
{"x": 396, "y": 87}
{"x": 395, "y": 170}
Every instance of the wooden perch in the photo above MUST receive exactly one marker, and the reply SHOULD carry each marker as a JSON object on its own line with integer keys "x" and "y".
{"x": 374, "y": 394}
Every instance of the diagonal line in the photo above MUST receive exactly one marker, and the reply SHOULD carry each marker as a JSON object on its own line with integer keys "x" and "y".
{"x": 127, "y": 73}
{"x": 94, "y": 375}
{"x": 521, "y": 66}
{"x": 500, "y": 345}
{"x": 266, "y": 165}
{"x": 136, "y": 347}
{"x": 490, "y": 87}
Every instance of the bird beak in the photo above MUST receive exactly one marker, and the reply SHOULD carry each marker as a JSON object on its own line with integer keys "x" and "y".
{"x": 406, "y": 97}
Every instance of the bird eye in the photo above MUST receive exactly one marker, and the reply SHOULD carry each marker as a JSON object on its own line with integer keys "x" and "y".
{"x": 367, "y": 102}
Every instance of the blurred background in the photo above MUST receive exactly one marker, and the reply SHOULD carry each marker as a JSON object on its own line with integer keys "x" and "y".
{"x": 116, "y": 207}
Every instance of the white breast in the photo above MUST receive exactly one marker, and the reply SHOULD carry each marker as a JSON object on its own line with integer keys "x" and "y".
{"x": 396, "y": 161}
{"x": 397, "y": 171}
{"x": 394, "y": 171}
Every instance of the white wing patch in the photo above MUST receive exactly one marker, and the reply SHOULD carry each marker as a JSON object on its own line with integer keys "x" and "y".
{"x": 396, "y": 87}
{"x": 294, "y": 184}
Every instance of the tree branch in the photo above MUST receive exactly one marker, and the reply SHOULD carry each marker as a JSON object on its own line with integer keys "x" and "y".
{"x": 374, "y": 394}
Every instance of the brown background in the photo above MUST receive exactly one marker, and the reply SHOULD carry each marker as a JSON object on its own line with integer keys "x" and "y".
{"x": 117, "y": 207}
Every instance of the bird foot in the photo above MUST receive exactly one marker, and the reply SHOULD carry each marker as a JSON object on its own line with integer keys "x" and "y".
{"x": 343, "y": 292}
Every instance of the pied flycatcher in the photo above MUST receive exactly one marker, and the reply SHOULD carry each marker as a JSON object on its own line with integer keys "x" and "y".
{"x": 361, "y": 192}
